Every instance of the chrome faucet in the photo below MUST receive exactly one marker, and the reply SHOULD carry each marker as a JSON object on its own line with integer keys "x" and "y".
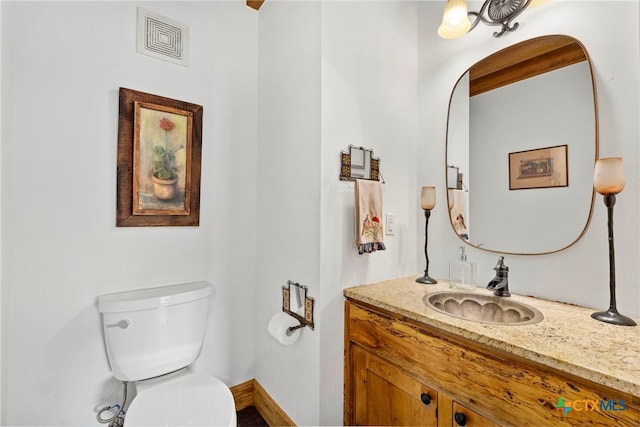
{"x": 500, "y": 284}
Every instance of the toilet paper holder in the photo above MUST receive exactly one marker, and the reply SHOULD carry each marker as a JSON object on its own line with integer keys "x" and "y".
{"x": 307, "y": 319}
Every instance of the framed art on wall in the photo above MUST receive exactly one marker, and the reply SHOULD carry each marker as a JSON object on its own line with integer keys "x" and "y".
{"x": 539, "y": 168}
{"x": 159, "y": 156}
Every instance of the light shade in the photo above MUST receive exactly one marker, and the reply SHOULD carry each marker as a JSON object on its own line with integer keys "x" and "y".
{"x": 428, "y": 198}
{"x": 608, "y": 175}
{"x": 455, "y": 21}
{"x": 536, "y": 3}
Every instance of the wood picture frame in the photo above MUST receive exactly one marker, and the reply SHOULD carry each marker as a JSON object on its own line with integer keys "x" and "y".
{"x": 539, "y": 168}
{"x": 159, "y": 161}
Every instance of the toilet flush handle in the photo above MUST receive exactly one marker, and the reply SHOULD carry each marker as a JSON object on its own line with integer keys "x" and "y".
{"x": 123, "y": 324}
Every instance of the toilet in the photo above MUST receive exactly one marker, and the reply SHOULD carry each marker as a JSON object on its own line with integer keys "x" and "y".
{"x": 151, "y": 337}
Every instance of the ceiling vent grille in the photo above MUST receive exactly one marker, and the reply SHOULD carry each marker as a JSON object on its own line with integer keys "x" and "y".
{"x": 162, "y": 38}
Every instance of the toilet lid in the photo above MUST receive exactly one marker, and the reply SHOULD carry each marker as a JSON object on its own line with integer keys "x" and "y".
{"x": 193, "y": 399}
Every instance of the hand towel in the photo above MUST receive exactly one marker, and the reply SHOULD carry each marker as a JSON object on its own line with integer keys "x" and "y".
{"x": 459, "y": 213}
{"x": 368, "y": 213}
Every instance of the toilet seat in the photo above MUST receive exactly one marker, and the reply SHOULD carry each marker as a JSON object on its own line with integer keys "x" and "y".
{"x": 192, "y": 399}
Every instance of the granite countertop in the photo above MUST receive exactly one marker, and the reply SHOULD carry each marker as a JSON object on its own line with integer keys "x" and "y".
{"x": 568, "y": 339}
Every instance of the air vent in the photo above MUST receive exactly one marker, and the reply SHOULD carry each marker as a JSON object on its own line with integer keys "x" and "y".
{"x": 162, "y": 38}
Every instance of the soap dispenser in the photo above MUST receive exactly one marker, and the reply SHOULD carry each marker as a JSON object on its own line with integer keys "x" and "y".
{"x": 462, "y": 273}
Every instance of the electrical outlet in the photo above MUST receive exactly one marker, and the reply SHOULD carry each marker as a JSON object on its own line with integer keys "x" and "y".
{"x": 390, "y": 224}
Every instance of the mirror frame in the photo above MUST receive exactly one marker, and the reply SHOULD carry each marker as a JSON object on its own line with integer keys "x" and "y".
{"x": 522, "y": 47}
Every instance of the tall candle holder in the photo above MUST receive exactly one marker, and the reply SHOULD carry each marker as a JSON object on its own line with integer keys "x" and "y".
{"x": 428, "y": 202}
{"x": 608, "y": 180}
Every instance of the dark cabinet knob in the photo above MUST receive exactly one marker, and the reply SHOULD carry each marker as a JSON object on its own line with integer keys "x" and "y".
{"x": 461, "y": 419}
{"x": 426, "y": 399}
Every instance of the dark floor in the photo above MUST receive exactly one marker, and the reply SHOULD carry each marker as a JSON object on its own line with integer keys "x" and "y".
{"x": 250, "y": 417}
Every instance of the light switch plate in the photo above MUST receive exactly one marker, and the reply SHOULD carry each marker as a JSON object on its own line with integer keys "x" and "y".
{"x": 390, "y": 224}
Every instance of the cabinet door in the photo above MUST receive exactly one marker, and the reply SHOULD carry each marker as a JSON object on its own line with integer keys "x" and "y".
{"x": 386, "y": 395}
{"x": 466, "y": 417}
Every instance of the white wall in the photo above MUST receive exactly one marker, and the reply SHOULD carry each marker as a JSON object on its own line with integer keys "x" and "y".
{"x": 273, "y": 209}
{"x": 609, "y": 31}
{"x": 62, "y": 66}
{"x": 328, "y": 78}
{"x": 2, "y": 358}
{"x": 288, "y": 220}
{"x": 369, "y": 98}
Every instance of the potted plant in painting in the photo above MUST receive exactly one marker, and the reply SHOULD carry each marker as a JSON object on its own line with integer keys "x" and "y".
{"x": 163, "y": 171}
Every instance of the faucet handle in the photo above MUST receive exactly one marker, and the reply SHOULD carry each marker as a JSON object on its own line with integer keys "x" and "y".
{"x": 500, "y": 265}
{"x": 500, "y": 283}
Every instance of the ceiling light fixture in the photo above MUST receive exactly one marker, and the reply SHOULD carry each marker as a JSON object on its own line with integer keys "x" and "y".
{"x": 456, "y": 23}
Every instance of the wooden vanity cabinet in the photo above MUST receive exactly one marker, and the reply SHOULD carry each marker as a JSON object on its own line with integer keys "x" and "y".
{"x": 386, "y": 395}
{"x": 401, "y": 372}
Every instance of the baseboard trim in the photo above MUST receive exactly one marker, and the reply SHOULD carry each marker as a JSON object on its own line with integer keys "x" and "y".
{"x": 251, "y": 393}
{"x": 243, "y": 394}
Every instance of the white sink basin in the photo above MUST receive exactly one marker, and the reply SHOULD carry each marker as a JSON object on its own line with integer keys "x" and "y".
{"x": 483, "y": 308}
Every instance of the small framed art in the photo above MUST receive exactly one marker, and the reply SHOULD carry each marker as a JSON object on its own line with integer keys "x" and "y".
{"x": 539, "y": 168}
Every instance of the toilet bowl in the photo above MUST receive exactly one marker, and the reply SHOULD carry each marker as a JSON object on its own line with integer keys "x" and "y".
{"x": 191, "y": 399}
{"x": 152, "y": 336}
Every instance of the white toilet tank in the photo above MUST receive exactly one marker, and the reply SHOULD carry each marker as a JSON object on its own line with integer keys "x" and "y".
{"x": 155, "y": 331}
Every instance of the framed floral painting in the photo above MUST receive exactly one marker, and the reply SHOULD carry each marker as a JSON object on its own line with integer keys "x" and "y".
{"x": 159, "y": 156}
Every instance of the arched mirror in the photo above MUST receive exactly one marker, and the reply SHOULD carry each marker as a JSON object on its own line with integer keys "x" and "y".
{"x": 522, "y": 139}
